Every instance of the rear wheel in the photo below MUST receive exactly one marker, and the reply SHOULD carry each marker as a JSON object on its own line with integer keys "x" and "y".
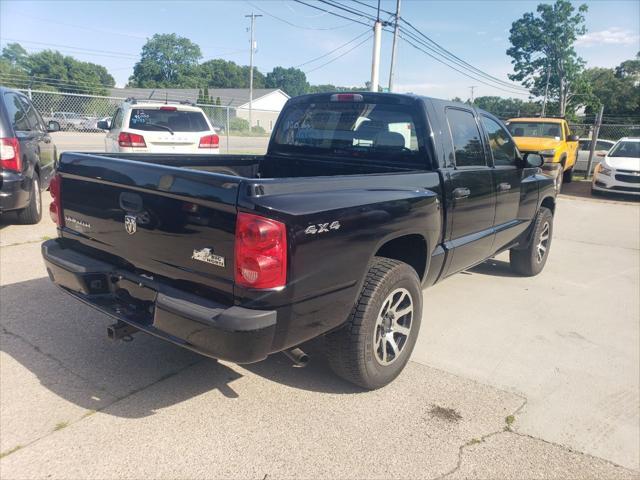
{"x": 531, "y": 260}
{"x": 375, "y": 344}
{"x": 32, "y": 214}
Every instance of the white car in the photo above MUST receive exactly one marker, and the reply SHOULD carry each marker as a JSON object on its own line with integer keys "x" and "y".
{"x": 584, "y": 147}
{"x": 152, "y": 127}
{"x": 619, "y": 172}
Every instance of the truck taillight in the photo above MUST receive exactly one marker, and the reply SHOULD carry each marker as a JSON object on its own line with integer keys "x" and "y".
{"x": 210, "y": 141}
{"x": 126, "y": 139}
{"x": 10, "y": 154}
{"x": 55, "y": 209}
{"x": 261, "y": 252}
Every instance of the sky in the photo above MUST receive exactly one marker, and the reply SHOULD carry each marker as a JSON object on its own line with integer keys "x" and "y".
{"x": 112, "y": 33}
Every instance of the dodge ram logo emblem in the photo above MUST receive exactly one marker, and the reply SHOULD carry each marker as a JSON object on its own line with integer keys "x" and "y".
{"x": 130, "y": 224}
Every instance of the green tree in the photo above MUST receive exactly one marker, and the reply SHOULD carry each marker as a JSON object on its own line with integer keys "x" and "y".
{"x": 507, "y": 107}
{"x": 291, "y": 80}
{"x": 218, "y": 73}
{"x": 544, "y": 43}
{"x": 630, "y": 68}
{"x": 15, "y": 54}
{"x": 67, "y": 74}
{"x": 167, "y": 60}
{"x": 617, "y": 89}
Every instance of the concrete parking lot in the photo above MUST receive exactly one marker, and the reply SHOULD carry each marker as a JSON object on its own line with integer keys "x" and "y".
{"x": 511, "y": 378}
{"x": 94, "y": 142}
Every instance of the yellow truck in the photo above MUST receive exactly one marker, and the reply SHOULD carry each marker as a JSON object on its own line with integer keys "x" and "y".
{"x": 551, "y": 138}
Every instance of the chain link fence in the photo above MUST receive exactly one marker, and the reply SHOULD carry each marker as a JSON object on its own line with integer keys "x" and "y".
{"x": 80, "y": 114}
{"x": 607, "y": 131}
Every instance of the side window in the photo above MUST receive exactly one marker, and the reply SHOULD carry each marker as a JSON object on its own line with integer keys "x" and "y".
{"x": 502, "y": 146}
{"x": 17, "y": 115}
{"x": 465, "y": 136}
{"x": 603, "y": 146}
{"x": 117, "y": 119}
{"x": 32, "y": 116}
{"x": 585, "y": 144}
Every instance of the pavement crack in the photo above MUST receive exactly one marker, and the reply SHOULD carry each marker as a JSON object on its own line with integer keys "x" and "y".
{"x": 475, "y": 441}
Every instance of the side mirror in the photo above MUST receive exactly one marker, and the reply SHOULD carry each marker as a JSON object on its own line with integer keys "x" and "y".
{"x": 104, "y": 125}
{"x": 601, "y": 153}
{"x": 533, "y": 160}
{"x": 573, "y": 138}
{"x": 53, "y": 126}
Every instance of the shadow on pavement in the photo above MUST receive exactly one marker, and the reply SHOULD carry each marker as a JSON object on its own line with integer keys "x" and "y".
{"x": 493, "y": 267}
{"x": 64, "y": 344}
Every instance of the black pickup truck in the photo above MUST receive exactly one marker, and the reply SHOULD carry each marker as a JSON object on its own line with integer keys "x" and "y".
{"x": 360, "y": 202}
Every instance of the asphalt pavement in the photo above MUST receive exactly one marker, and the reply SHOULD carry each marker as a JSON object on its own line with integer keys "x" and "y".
{"x": 511, "y": 378}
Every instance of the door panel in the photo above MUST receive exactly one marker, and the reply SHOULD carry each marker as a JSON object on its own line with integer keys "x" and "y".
{"x": 508, "y": 225}
{"x": 471, "y": 217}
{"x": 470, "y": 193}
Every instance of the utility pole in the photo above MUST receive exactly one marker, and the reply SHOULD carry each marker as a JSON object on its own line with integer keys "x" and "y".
{"x": 375, "y": 61}
{"x": 472, "y": 88}
{"x": 546, "y": 93}
{"x": 594, "y": 139}
{"x": 253, "y": 17}
{"x": 394, "y": 47}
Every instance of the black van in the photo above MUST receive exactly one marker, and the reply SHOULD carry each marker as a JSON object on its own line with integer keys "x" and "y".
{"x": 27, "y": 156}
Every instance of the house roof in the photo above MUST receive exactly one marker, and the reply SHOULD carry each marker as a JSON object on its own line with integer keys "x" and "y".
{"x": 232, "y": 97}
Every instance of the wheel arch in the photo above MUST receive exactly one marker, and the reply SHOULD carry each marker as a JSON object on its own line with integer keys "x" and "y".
{"x": 411, "y": 249}
{"x": 550, "y": 203}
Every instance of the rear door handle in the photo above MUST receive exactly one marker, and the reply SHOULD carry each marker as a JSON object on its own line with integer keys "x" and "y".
{"x": 504, "y": 187}
{"x": 461, "y": 192}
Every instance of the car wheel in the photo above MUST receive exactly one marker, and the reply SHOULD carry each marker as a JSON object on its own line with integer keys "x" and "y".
{"x": 531, "y": 260}
{"x": 567, "y": 177}
{"x": 373, "y": 347}
{"x": 32, "y": 214}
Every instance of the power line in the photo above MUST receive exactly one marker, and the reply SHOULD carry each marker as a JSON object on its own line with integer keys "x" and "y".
{"x": 331, "y": 13}
{"x": 459, "y": 60}
{"x": 444, "y": 60}
{"x": 374, "y": 7}
{"x": 457, "y": 70}
{"x": 341, "y": 55}
{"x": 89, "y": 50}
{"x": 334, "y": 50}
{"x": 352, "y": 11}
{"x": 291, "y": 23}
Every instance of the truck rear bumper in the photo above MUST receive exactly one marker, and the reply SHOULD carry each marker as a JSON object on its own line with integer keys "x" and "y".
{"x": 230, "y": 333}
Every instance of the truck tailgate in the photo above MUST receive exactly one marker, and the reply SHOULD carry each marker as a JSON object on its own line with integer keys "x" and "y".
{"x": 174, "y": 222}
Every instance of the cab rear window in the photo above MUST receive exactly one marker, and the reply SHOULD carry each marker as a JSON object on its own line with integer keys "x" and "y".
{"x": 355, "y": 130}
{"x": 163, "y": 120}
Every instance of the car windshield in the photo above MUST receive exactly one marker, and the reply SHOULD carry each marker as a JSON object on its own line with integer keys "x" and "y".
{"x": 349, "y": 129}
{"x": 157, "y": 119}
{"x": 535, "y": 129}
{"x": 625, "y": 149}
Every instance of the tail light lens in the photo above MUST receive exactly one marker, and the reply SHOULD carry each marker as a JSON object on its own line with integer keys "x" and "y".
{"x": 261, "y": 252}
{"x": 126, "y": 139}
{"x": 10, "y": 154}
{"x": 210, "y": 141}
{"x": 55, "y": 209}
